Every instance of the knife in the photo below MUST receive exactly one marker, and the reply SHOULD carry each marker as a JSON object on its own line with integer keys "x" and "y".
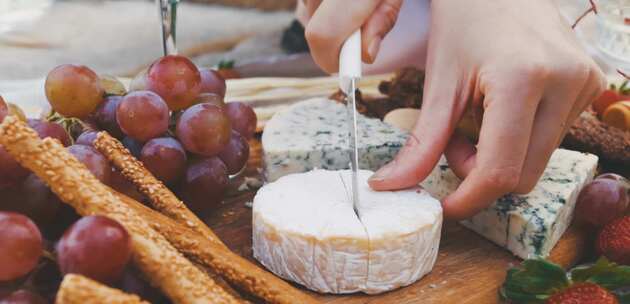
{"x": 349, "y": 74}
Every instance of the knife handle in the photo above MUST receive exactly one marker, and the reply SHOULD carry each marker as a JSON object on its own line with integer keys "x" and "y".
{"x": 350, "y": 56}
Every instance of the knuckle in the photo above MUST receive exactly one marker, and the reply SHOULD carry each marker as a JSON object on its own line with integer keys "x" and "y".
{"x": 390, "y": 10}
{"x": 504, "y": 179}
{"x": 535, "y": 71}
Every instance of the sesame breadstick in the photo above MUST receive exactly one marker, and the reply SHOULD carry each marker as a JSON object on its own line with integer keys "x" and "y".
{"x": 77, "y": 289}
{"x": 234, "y": 268}
{"x": 73, "y": 183}
{"x": 161, "y": 198}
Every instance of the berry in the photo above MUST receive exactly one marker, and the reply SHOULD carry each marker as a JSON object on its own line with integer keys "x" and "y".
{"x": 583, "y": 293}
{"x": 613, "y": 241}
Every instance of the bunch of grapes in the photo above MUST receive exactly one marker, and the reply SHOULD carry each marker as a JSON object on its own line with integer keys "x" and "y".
{"x": 173, "y": 119}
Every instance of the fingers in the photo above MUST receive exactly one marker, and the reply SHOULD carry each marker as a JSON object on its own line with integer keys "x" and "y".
{"x": 505, "y": 134}
{"x": 441, "y": 110}
{"x": 332, "y": 23}
{"x": 305, "y": 9}
{"x": 560, "y": 106}
{"x": 461, "y": 155}
{"x": 377, "y": 26}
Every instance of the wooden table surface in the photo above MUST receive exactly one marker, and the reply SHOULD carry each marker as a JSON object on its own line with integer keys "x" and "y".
{"x": 469, "y": 269}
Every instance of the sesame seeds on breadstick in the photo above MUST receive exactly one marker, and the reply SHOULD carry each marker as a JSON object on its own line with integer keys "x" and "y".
{"x": 77, "y": 289}
{"x": 235, "y": 269}
{"x": 166, "y": 268}
{"x": 161, "y": 198}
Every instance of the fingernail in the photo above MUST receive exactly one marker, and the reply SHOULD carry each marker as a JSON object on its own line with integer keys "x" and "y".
{"x": 383, "y": 172}
{"x": 373, "y": 48}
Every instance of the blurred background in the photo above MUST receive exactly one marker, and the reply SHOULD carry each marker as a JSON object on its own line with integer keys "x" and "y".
{"x": 122, "y": 37}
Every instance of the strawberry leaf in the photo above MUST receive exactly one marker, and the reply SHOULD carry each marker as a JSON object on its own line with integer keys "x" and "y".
{"x": 605, "y": 273}
{"x": 534, "y": 281}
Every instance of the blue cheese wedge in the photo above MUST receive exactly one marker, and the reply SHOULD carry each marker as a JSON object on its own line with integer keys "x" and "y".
{"x": 305, "y": 230}
{"x": 314, "y": 134}
{"x": 530, "y": 224}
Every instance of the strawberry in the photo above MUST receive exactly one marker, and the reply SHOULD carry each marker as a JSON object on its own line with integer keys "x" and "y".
{"x": 540, "y": 281}
{"x": 590, "y": 293}
{"x": 610, "y": 96}
{"x": 613, "y": 241}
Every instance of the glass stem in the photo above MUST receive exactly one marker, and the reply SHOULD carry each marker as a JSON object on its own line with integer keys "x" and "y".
{"x": 168, "y": 19}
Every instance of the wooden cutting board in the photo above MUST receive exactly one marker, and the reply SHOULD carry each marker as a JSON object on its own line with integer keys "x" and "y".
{"x": 469, "y": 269}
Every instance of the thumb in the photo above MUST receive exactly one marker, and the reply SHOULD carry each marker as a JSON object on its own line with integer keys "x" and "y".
{"x": 377, "y": 26}
{"x": 428, "y": 139}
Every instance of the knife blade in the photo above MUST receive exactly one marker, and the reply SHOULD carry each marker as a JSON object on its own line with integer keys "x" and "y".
{"x": 349, "y": 75}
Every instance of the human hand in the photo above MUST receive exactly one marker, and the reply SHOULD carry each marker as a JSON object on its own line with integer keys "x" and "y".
{"x": 521, "y": 63}
{"x": 329, "y": 23}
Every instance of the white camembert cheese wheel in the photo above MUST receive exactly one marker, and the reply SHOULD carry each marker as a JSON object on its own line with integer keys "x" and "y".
{"x": 305, "y": 230}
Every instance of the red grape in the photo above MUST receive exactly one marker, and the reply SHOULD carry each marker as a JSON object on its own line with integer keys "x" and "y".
{"x": 87, "y": 138}
{"x": 49, "y": 129}
{"x": 212, "y": 82}
{"x": 23, "y": 296}
{"x": 96, "y": 247}
{"x": 47, "y": 276}
{"x": 12, "y": 172}
{"x": 622, "y": 180}
{"x": 235, "y": 154}
{"x": 165, "y": 158}
{"x": 105, "y": 116}
{"x": 21, "y": 245}
{"x": 142, "y": 115}
{"x": 601, "y": 201}
{"x": 243, "y": 118}
{"x": 73, "y": 90}
{"x": 4, "y": 109}
{"x": 211, "y": 98}
{"x": 111, "y": 85}
{"x": 205, "y": 183}
{"x": 93, "y": 160}
{"x": 32, "y": 198}
{"x": 204, "y": 129}
{"x": 176, "y": 79}
{"x": 134, "y": 146}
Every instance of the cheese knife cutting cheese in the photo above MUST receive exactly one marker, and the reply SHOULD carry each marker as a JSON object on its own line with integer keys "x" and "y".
{"x": 349, "y": 75}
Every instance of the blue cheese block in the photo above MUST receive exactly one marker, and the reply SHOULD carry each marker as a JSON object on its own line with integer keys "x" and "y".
{"x": 314, "y": 134}
{"x": 531, "y": 224}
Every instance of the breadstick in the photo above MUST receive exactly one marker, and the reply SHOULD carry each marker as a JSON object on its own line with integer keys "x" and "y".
{"x": 77, "y": 289}
{"x": 167, "y": 269}
{"x": 160, "y": 196}
{"x": 221, "y": 260}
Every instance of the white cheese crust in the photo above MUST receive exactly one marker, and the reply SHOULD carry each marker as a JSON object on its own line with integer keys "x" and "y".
{"x": 305, "y": 230}
{"x": 530, "y": 224}
{"x": 314, "y": 134}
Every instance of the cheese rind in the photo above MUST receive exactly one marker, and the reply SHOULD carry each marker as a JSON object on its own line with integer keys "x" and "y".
{"x": 314, "y": 134}
{"x": 530, "y": 224}
{"x": 305, "y": 230}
